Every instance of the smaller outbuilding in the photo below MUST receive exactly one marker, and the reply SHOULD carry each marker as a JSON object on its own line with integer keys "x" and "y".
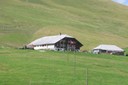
{"x": 108, "y": 49}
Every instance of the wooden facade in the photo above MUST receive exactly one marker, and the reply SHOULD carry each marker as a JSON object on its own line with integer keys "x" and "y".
{"x": 70, "y": 44}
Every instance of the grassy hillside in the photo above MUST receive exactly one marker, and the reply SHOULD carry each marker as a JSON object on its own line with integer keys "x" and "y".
{"x": 28, "y": 67}
{"x": 91, "y": 21}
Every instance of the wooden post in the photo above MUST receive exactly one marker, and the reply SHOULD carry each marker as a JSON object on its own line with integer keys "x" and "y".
{"x": 87, "y": 76}
{"x": 75, "y": 64}
{"x": 30, "y": 82}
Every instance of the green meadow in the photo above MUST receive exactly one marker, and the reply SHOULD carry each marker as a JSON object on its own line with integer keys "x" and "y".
{"x": 29, "y": 67}
{"x": 91, "y": 22}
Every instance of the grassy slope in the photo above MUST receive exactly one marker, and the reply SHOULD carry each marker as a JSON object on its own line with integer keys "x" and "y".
{"x": 92, "y": 22}
{"x": 28, "y": 67}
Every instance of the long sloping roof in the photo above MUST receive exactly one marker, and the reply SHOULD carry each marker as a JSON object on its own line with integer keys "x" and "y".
{"x": 108, "y": 47}
{"x": 49, "y": 39}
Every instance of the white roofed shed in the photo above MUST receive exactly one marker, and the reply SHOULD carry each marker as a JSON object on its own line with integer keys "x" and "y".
{"x": 110, "y": 49}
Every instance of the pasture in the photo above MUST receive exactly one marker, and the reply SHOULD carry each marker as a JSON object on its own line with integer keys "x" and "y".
{"x": 29, "y": 67}
{"x": 91, "y": 22}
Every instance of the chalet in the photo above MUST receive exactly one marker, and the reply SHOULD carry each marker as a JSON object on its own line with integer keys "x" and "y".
{"x": 108, "y": 49}
{"x": 57, "y": 42}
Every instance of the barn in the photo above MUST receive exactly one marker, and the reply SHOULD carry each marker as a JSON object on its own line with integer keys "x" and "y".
{"x": 108, "y": 49}
{"x": 57, "y": 42}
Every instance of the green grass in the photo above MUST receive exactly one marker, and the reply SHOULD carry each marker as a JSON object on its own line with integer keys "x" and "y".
{"x": 92, "y": 22}
{"x": 126, "y": 50}
{"x": 28, "y": 67}
{"x": 22, "y": 21}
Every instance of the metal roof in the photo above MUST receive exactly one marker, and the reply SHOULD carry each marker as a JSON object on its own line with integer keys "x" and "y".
{"x": 49, "y": 39}
{"x": 108, "y": 47}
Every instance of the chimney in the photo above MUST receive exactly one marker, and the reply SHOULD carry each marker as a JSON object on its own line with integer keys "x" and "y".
{"x": 60, "y": 33}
